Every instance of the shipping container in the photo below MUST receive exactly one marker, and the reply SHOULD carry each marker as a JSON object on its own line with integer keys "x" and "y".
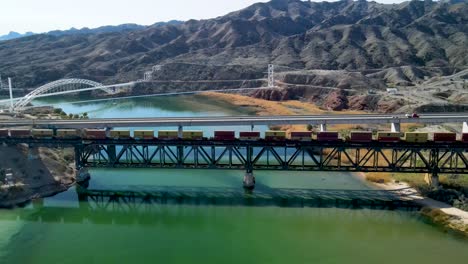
{"x": 192, "y": 135}
{"x": 20, "y": 133}
{"x": 143, "y": 134}
{"x": 301, "y": 136}
{"x": 68, "y": 133}
{"x": 224, "y": 135}
{"x": 95, "y": 133}
{"x": 361, "y": 136}
{"x": 168, "y": 134}
{"x": 275, "y": 135}
{"x": 464, "y": 137}
{"x": 416, "y": 137}
{"x": 445, "y": 137}
{"x": 4, "y": 133}
{"x": 249, "y": 135}
{"x": 120, "y": 134}
{"x": 389, "y": 136}
{"x": 42, "y": 133}
{"x": 328, "y": 136}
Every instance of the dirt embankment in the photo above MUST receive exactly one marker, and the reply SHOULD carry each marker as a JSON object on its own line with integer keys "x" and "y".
{"x": 28, "y": 175}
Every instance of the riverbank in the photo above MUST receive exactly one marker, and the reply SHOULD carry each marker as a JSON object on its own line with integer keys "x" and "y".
{"x": 439, "y": 213}
{"x": 291, "y": 107}
{"x": 30, "y": 175}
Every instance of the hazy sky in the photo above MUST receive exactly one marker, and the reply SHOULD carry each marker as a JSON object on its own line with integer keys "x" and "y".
{"x": 46, "y": 15}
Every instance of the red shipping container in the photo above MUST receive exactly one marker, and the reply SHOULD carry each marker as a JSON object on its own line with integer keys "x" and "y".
{"x": 445, "y": 137}
{"x": 361, "y": 137}
{"x": 327, "y": 136}
{"x": 3, "y": 133}
{"x": 225, "y": 135}
{"x": 95, "y": 134}
{"x": 20, "y": 133}
{"x": 465, "y": 137}
{"x": 301, "y": 134}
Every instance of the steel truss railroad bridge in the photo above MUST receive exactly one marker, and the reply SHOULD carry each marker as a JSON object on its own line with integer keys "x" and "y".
{"x": 431, "y": 158}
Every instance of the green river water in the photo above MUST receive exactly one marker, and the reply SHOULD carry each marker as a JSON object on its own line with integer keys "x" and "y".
{"x": 61, "y": 229}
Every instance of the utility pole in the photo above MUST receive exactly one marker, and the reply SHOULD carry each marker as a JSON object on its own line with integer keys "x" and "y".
{"x": 1, "y": 82}
{"x": 11, "y": 94}
{"x": 271, "y": 76}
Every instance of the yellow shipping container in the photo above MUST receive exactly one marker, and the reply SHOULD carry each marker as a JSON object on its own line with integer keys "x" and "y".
{"x": 171, "y": 134}
{"x": 275, "y": 133}
{"x": 416, "y": 137}
{"x": 192, "y": 134}
{"x": 68, "y": 133}
{"x": 143, "y": 134}
{"x": 389, "y": 134}
{"x": 42, "y": 133}
{"x": 120, "y": 134}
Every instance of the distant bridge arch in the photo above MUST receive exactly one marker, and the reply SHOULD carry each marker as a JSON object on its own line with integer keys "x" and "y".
{"x": 62, "y": 86}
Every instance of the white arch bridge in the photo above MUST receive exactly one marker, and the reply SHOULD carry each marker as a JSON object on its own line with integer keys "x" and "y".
{"x": 63, "y": 86}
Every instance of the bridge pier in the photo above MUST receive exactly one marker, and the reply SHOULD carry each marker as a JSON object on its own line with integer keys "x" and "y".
{"x": 249, "y": 180}
{"x": 33, "y": 153}
{"x": 82, "y": 175}
{"x": 432, "y": 179}
{"x": 396, "y": 127}
{"x": 180, "y": 132}
{"x": 465, "y": 127}
{"x": 323, "y": 127}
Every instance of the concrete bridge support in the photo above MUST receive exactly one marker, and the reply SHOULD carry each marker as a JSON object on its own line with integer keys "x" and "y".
{"x": 465, "y": 127}
{"x": 249, "y": 180}
{"x": 432, "y": 179}
{"x": 180, "y": 132}
{"x": 82, "y": 175}
{"x": 396, "y": 127}
{"x": 323, "y": 127}
{"x": 33, "y": 153}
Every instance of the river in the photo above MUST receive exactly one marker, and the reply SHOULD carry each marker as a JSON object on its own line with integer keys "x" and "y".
{"x": 66, "y": 229}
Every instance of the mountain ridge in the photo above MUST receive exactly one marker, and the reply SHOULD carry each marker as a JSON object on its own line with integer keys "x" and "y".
{"x": 311, "y": 35}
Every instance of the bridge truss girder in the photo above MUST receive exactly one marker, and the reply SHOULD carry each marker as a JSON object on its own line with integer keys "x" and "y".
{"x": 297, "y": 157}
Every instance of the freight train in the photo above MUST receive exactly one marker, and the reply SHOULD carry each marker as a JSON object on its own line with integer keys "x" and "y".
{"x": 330, "y": 136}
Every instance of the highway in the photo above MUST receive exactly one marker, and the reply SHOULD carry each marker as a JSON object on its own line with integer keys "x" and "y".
{"x": 238, "y": 120}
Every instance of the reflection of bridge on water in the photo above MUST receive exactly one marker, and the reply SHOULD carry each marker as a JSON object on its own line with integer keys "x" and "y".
{"x": 283, "y": 197}
{"x": 145, "y": 207}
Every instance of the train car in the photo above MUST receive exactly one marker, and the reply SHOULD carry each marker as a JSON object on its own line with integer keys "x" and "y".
{"x": 249, "y": 135}
{"x": 67, "y": 133}
{"x": 120, "y": 134}
{"x": 301, "y": 136}
{"x": 20, "y": 133}
{"x": 445, "y": 137}
{"x": 95, "y": 134}
{"x": 42, "y": 133}
{"x": 328, "y": 136}
{"x": 416, "y": 137}
{"x": 275, "y": 135}
{"x": 143, "y": 134}
{"x": 225, "y": 135}
{"x": 464, "y": 137}
{"x": 4, "y": 133}
{"x": 168, "y": 134}
{"x": 192, "y": 135}
{"x": 389, "y": 137}
{"x": 360, "y": 136}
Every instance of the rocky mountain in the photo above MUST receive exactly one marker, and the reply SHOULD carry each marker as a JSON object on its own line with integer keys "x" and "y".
{"x": 343, "y": 35}
{"x": 14, "y": 35}
{"x": 85, "y": 30}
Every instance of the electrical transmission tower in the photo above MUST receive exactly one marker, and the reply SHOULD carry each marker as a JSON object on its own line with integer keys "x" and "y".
{"x": 271, "y": 75}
